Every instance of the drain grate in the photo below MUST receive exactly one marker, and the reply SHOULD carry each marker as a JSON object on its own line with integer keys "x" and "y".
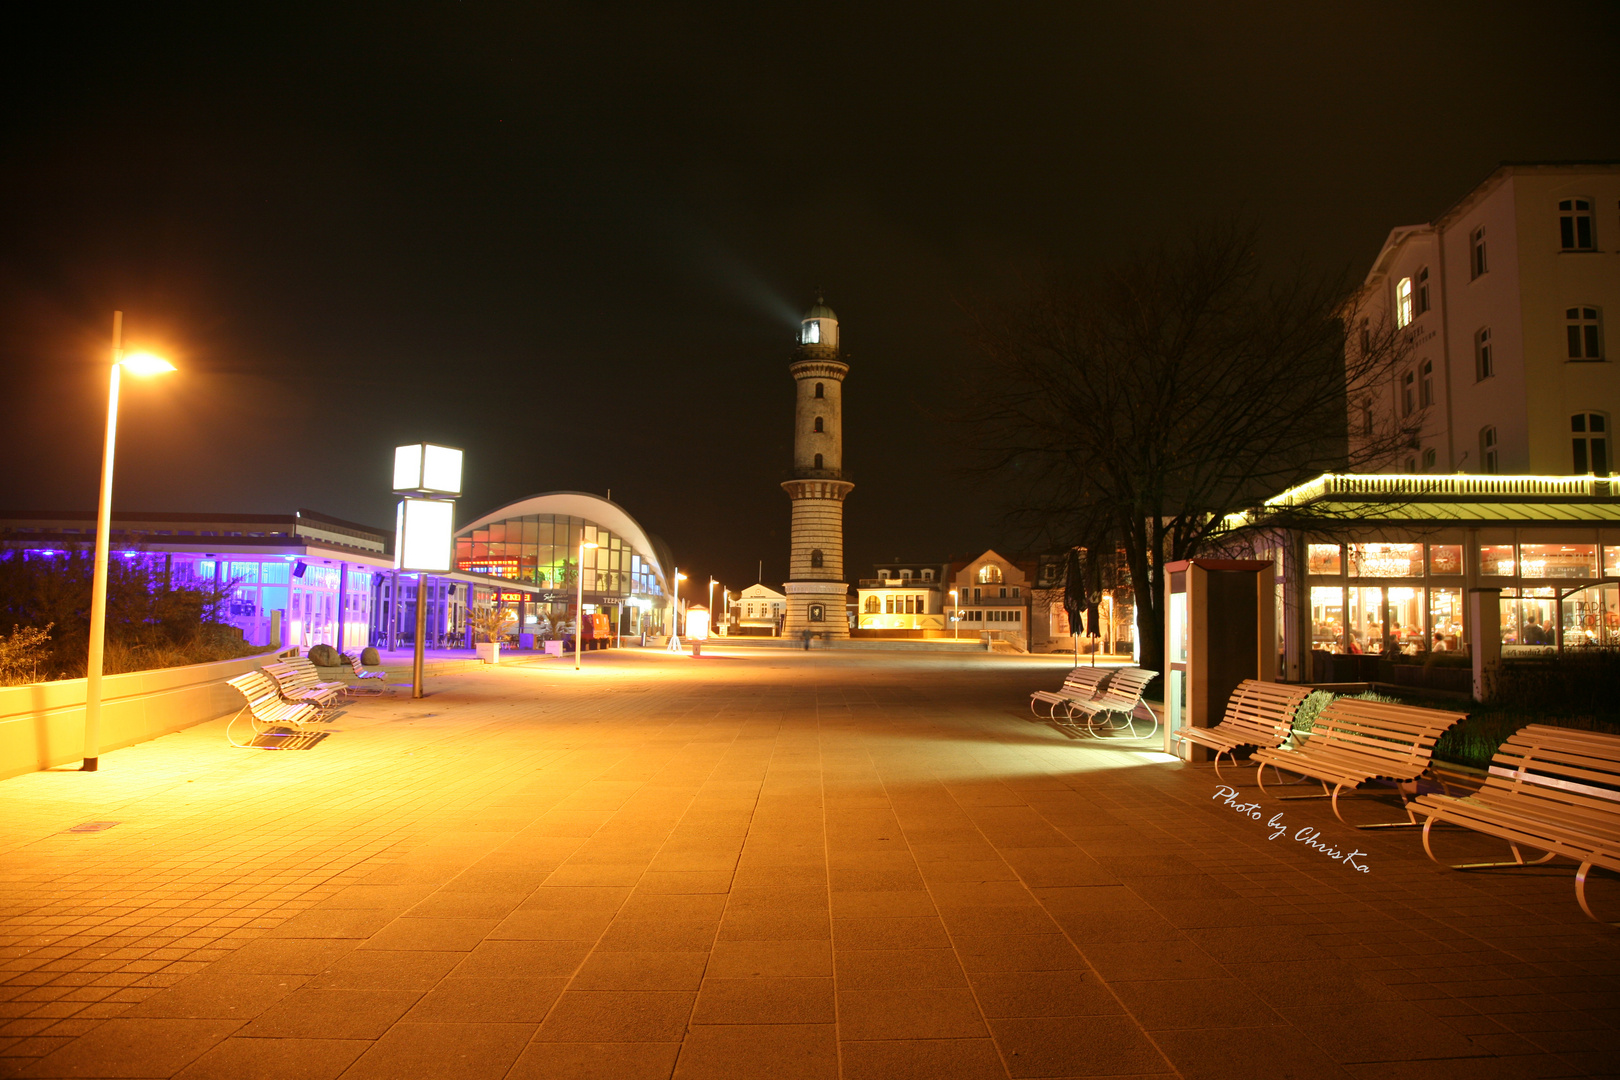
{"x": 93, "y": 826}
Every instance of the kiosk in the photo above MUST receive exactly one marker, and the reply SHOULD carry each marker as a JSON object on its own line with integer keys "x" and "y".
{"x": 1220, "y": 628}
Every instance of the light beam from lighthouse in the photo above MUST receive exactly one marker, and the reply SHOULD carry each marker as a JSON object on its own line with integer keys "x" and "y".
{"x": 816, "y": 591}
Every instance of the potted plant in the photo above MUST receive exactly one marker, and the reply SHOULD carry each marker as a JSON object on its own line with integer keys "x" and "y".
{"x": 489, "y": 627}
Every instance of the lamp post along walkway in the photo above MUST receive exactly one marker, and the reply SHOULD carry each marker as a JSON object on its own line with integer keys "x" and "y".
{"x": 139, "y": 364}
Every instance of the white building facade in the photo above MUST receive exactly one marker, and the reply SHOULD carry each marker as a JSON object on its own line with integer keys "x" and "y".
{"x": 1503, "y": 302}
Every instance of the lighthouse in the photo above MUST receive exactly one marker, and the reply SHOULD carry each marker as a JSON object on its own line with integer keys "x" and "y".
{"x": 816, "y": 590}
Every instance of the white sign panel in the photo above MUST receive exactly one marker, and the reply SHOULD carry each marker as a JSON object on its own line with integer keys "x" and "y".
{"x": 429, "y": 469}
{"x": 424, "y": 534}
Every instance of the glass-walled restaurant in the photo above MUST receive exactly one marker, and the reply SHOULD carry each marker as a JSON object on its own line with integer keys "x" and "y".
{"x": 1560, "y": 589}
{"x": 537, "y": 542}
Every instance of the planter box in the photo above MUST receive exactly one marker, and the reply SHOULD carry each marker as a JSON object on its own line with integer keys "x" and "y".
{"x": 488, "y": 651}
{"x": 552, "y": 648}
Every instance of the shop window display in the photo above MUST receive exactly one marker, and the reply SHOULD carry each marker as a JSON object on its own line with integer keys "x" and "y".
{"x": 1386, "y": 560}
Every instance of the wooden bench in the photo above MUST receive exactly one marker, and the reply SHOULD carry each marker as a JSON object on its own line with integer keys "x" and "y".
{"x": 1081, "y": 684}
{"x": 1354, "y": 741}
{"x": 1258, "y": 714}
{"x": 268, "y": 707}
{"x": 363, "y": 687}
{"x": 1123, "y": 694}
{"x": 299, "y": 684}
{"x": 1549, "y": 789}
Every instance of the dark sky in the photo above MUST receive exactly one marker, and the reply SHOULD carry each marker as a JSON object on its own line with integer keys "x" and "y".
{"x": 573, "y": 239}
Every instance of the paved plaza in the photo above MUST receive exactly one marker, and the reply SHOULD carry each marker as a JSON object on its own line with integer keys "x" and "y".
{"x": 769, "y": 864}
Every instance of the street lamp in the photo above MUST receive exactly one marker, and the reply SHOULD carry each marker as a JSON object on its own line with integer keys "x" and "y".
{"x": 709, "y": 630}
{"x": 579, "y": 620}
{"x": 138, "y": 364}
{"x": 675, "y": 613}
{"x": 956, "y": 616}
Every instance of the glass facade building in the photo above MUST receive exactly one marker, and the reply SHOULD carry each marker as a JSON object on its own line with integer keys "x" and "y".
{"x": 537, "y": 542}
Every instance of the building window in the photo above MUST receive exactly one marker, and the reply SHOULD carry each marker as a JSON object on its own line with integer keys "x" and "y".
{"x": 817, "y": 613}
{"x": 872, "y": 605}
{"x": 815, "y": 558}
{"x": 1575, "y": 224}
{"x": 928, "y": 575}
{"x": 1411, "y": 465}
{"x": 976, "y": 596}
{"x": 1484, "y": 362}
{"x": 1476, "y": 258}
{"x": 1426, "y": 384}
{"x": 1581, "y": 328}
{"x": 1366, "y": 418}
{"x": 1421, "y": 301}
{"x": 1430, "y": 456}
{"x": 1591, "y": 443}
{"x": 1408, "y": 393}
{"x": 905, "y": 575}
{"x": 888, "y": 605}
{"x": 1403, "y": 302}
{"x": 1015, "y": 592}
{"x": 1489, "y": 455}
{"x": 818, "y": 461}
{"x": 818, "y": 425}
{"x": 1004, "y": 593}
{"x": 990, "y": 574}
{"x": 820, "y": 391}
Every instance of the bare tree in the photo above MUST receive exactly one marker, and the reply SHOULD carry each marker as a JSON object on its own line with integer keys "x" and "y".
{"x": 1139, "y": 408}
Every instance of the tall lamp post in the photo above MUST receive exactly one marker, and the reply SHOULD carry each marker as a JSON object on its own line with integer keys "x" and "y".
{"x": 138, "y": 364}
{"x": 956, "y": 616}
{"x": 579, "y": 617}
{"x": 709, "y": 630}
{"x": 675, "y": 613}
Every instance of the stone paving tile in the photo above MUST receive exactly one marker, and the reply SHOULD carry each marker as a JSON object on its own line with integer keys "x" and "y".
{"x": 825, "y": 864}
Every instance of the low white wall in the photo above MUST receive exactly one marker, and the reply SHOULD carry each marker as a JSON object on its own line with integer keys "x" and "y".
{"x": 42, "y": 724}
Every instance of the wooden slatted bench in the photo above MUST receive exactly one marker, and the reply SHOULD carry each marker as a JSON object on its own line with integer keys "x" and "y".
{"x": 310, "y": 674}
{"x": 267, "y": 706}
{"x": 1081, "y": 684}
{"x": 300, "y": 685}
{"x": 364, "y": 686}
{"x": 1258, "y": 714}
{"x": 1354, "y": 741}
{"x": 1549, "y": 789}
{"x": 1122, "y": 695}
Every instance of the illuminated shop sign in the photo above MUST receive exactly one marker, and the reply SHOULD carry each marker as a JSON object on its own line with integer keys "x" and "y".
{"x": 495, "y": 566}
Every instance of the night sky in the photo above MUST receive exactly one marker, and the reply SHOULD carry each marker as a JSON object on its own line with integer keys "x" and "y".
{"x": 575, "y": 239}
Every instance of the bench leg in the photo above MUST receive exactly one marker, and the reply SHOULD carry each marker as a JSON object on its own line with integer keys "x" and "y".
{"x": 1580, "y": 891}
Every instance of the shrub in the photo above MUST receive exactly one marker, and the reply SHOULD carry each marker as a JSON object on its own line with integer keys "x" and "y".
{"x": 23, "y": 653}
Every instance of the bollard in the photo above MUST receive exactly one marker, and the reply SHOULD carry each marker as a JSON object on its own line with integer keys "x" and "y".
{"x": 697, "y": 648}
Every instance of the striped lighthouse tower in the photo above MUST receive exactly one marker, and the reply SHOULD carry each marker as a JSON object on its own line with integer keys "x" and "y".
{"x": 816, "y": 590}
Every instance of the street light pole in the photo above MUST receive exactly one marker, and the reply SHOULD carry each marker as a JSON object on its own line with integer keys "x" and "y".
{"x": 579, "y": 611}
{"x": 712, "y": 584}
{"x": 956, "y": 617}
{"x": 675, "y": 613}
{"x": 149, "y": 365}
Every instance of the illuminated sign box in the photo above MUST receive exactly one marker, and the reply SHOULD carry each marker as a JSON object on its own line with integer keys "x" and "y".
{"x": 427, "y": 469}
{"x": 424, "y": 535}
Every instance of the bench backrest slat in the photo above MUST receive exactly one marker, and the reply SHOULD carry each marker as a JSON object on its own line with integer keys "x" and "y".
{"x": 1264, "y": 708}
{"x": 1578, "y": 772}
{"x": 1378, "y": 729}
{"x": 1124, "y": 690}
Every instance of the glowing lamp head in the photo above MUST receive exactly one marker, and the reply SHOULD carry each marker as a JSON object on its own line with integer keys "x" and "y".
{"x": 144, "y": 364}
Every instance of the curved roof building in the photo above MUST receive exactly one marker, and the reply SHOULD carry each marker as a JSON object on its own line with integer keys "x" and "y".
{"x": 537, "y": 541}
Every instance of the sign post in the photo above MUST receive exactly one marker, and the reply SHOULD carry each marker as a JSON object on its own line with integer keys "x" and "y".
{"x": 429, "y": 477}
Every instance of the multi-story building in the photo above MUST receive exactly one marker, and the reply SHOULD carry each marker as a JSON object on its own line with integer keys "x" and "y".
{"x": 904, "y": 597}
{"x": 1501, "y": 304}
{"x": 992, "y": 597}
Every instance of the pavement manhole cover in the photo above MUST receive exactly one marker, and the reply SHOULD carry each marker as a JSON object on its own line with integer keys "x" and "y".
{"x": 93, "y": 826}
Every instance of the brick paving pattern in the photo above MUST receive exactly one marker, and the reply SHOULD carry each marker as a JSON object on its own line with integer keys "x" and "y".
{"x": 774, "y": 864}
